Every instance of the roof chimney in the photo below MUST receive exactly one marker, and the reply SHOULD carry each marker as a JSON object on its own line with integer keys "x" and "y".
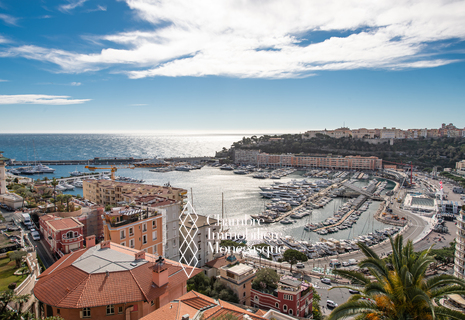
{"x": 90, "y": 241}
{"x": 160, "y": 272}
{"x": 139, "y": 255}
{"x": 185, "y": 317}
{"x": 105, "y": 244}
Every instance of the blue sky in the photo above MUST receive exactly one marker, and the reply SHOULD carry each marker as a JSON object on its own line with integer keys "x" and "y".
{"x": 229, "y": 66}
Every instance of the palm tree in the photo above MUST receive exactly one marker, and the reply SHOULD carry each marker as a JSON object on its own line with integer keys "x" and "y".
{"x": 54, "y": 183}
{"x": 399, "y": 289}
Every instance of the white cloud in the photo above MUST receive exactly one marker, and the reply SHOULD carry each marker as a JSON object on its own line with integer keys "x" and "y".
{"x": 39, "y": 99}
{"x": 270, "y": 39}
{"x": 8, "y": 19}
{"x": 72, "y": 4}
{"x": 138, "y": 104}
{"x": 3, "y": 80}
{"x": 75, "y": 84}
{"x": 99, "y": 8}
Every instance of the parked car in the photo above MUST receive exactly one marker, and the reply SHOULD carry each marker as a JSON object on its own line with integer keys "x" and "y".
{"x": 300, "y": 265}
{"x": 326, "y": 280}
{"x": 345, "y": 264}
{"x": 331, "y": 304}
{"x": 353, "y": 291}
{"x": 35, "y": 235}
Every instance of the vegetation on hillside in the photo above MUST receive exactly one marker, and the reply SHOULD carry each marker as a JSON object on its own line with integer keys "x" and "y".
{"x": 442, "y": 152}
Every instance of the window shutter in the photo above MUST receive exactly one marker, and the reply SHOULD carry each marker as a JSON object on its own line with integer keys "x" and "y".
{"x": 81, "y": 314}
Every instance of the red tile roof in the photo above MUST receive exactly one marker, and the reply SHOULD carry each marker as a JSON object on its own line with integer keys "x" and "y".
{"x": 218, "y": 262}
{"x": 64, "y": 285}
{"x": 64, "y": 223}
{"x": 193, "y": 302}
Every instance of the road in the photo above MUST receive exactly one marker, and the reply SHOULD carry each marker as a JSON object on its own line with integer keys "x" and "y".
{"x": 42, "y": 251}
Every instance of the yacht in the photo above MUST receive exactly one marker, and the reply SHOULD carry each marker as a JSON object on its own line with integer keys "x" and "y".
{"x": 182, "y": 168}
{"x": 40, "y": 168}
{"x": 78, "y": 184}
{"x": 76, "y": 173}
{"x": 287, "y": 221}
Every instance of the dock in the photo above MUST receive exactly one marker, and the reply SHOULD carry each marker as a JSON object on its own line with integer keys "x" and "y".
{"x": 319, "y": 194}
{"x": 348, "y": 214}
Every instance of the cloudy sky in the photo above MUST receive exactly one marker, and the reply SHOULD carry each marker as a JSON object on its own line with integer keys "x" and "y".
{"x": 230, "y": 66}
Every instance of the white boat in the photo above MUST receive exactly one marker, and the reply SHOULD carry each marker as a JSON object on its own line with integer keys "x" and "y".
{"x": 76, "y": 173}
{"x": 182, "y": 168}
{"x": 40, "y": 168}
{"x": 61, "y": 188}
{"x": 287, "y": 221}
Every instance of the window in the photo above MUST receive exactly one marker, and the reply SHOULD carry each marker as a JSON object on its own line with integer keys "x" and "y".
{"x": 243, "y": 286}
{"x": 58, "y": 311}
{"x": 123, "y": 243}
{"x": 131, "y": 243}
{"x": 123, "y": 234}
{"x": 131, "y": 232}
{"x": 152, "y": 303}
{"x": 144, "y": 239}
{"x": 120, "y": 309}
{"x": 174, "y": 243}
{"x": 285, "y": 308}
{"x": 154, "y": 224}
{"x": 276, "y": 305}
{"x": 290, "y": 312}
{"x": 256, "y": 297}
{"x": 86, "y": 312}
{"x": 110, "y": 309}
{"x": 154, "y": 235}
{"x": 154, "y": 249}
{"x": 243, "y": 294}
{"x": 144, "y": 227}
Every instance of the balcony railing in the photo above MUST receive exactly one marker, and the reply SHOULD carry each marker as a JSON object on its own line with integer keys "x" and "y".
{"x": 66, "y": 239}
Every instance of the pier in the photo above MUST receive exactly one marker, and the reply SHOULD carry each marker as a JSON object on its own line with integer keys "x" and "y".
{"x": 348, "y": 214}
{"x": 319, "y": 194}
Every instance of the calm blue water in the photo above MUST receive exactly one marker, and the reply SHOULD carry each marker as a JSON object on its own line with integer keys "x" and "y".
{"x": 87, "y": 146}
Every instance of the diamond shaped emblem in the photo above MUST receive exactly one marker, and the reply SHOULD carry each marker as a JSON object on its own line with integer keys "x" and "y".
{"x": 187, "y": 231}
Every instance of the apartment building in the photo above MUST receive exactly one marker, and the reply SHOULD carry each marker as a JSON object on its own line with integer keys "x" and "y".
{"x": 202, "y": 231}
{"x": 239, "y": 278}
{"x": 336, "y": 162}
{"x": 109, "y": 281}
{"x": 460, "y": 166}
{"x": 116, "y": 193}
{"x": 136, "y": 228}
{"x": 292, "y": 297}
{"x": 245, "y": 156}
{"x": 62, "y": 235}
{"x": 389, "y": 133}
{"x": 194, "y": 305}
{"x": 459, "y": 261}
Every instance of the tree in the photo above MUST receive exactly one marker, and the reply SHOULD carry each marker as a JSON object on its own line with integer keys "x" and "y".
{"x": 292, "y": 256}
{"x": 400, "y": 289}
{"x": 266, "y": 278}
{"x": 17, "y": 256}
{"x": 54, "y": 183}
{"x": 9, "y": 296}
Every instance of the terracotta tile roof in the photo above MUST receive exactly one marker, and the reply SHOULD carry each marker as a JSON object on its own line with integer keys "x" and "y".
{"x": 218, "y": 262}
{"x": 64, "y": 223}
{"x": 260, "y": 312}
{"x": 193, "y": 303}
{"x": 68, "y": 285}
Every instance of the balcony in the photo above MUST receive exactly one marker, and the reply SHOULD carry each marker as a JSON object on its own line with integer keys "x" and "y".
{"x": 127, "y": 219}
{"x": 68, "y": 240}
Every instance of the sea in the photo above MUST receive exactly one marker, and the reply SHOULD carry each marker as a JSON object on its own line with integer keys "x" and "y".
{"x": 211, "y": 191}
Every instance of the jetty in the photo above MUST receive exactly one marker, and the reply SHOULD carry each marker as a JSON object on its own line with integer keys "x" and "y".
{"x": 313, "y": 197}
{"x": 348, "y": 214}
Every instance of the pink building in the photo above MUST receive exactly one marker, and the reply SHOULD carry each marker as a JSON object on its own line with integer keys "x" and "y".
{"x": 292, "y": 297}
{"x": 63, "y": 235}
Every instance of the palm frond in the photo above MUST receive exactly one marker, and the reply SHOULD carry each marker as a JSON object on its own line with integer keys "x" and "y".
{"x": 354, "y": 276}
{"x": 449, "y": 313}
{"x": 352, "y": 308}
